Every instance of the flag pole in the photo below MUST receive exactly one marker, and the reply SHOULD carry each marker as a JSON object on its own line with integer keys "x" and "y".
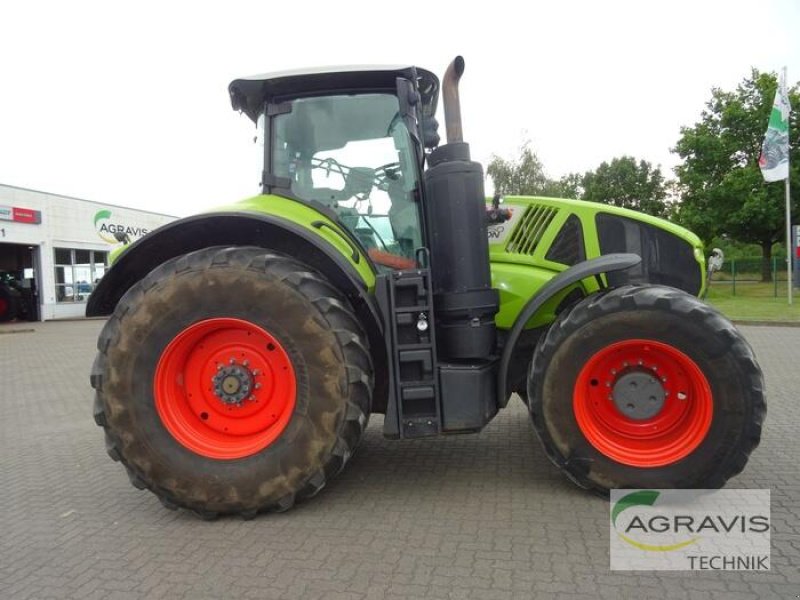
{"x": 788, "y": 216}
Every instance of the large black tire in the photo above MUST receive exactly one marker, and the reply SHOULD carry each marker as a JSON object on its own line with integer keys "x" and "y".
{"x": 9, "y": 303}
{"x": 679, "y": 321}
{"x": 308, "y": 318}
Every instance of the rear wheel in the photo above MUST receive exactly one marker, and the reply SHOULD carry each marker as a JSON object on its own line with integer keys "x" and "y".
{"x": 231, "y": 380}
{"x": 646, "y": 387}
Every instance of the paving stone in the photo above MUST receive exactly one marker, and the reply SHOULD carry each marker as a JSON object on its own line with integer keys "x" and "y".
{"x": 477, "y": 516}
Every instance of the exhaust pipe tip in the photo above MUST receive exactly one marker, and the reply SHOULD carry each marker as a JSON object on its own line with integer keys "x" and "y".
{"x": 452, "y": 103}
{"x": 458, "y": 65}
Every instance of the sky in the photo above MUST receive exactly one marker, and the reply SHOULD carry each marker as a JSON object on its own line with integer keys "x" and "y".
{"x": 127, "y": 103}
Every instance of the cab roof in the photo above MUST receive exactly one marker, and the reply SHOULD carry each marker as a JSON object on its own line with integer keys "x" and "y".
{"x": 248, "y": 94}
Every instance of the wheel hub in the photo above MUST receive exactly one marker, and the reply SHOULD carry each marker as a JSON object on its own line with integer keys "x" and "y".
{"x": 639, "y": 395}
{"x": 225, "y": 388}
{"x": 232, "y": 384}
{"x": 643, "y": 403}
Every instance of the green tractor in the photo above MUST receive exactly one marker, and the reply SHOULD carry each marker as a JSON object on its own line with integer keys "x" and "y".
{"x": 247, "y": 347}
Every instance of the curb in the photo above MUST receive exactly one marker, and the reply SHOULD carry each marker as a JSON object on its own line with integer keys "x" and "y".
{"x": 767, "y": 323}
{"x": 68, "y": 319}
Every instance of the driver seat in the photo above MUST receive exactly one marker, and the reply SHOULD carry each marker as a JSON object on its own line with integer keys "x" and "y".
{"x": 360, "y": 181}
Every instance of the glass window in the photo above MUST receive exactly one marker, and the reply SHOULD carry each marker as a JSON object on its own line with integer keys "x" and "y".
{"x": 77, "y": 273}
{"x": 567, "y": 247}
{"x": 63, "y": 256}
{"x": 353, "y": 154}
{"x": 99, "y": 266}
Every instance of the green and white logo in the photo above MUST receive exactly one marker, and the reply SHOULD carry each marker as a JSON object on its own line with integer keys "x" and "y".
{"x": 113, "y": 231}
{"x": 689, "y": 529}
{"x": 644, "y": 498}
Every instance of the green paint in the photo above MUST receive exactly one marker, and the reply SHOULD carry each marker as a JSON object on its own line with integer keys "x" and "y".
{"x": 114, "y": 255}
{"x": 303, "y": 215}
{"x": 519, "y": 277}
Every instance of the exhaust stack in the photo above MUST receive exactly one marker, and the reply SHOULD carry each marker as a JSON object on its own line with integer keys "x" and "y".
{"x": 456, "y": 215}
{"x": 451, "y": 100}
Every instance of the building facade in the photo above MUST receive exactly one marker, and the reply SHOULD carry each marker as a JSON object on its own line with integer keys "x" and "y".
{"x": 54, "y": 250}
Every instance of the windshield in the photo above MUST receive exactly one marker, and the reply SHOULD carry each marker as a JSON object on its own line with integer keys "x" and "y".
{"x": 353, "y": 154}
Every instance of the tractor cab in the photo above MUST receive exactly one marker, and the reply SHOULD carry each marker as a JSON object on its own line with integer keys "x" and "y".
{"x": 348, "y": 141}
{"x": 352, "y": 143}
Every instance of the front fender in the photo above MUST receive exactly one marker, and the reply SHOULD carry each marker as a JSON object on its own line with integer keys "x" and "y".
{"x": 590, "y": 268}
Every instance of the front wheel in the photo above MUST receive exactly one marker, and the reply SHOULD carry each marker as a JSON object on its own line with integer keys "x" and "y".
{"x": 646, "y": 387}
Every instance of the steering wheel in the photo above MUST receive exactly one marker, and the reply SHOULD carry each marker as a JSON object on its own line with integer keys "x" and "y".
{"x": 385, "y": 173}
{"x": 329, "y": 164}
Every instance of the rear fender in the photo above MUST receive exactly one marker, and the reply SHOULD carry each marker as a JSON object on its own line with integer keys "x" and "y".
{"x": 247, "y": 229}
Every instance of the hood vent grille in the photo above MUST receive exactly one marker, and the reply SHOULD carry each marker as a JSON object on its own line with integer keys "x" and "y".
{"x": 527, "y": 235}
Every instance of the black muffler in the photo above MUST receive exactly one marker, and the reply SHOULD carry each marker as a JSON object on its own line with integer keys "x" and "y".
{"x": 464, "y": 300}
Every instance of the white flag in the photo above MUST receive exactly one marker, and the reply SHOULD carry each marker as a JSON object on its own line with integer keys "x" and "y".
{"x": 774, "y": 159}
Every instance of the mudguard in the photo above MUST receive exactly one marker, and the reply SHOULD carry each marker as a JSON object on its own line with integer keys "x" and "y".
{"x": 590, "y": 268}
{"x": 247, "y": 229}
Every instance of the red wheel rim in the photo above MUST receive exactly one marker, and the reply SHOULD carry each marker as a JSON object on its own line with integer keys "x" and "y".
{"x": 672, "y": 433}
{"x": 225, "y": 388}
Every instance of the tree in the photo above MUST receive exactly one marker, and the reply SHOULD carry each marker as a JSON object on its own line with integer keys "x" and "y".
{"x": 624, "y": 182}
{"x": 525, "y": 176}
{"x": 721, "y": 187}
{"x": 570, "y": 186}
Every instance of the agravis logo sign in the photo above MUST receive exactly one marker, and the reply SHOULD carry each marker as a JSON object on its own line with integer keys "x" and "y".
{"x": 112, "y": 232}
{"x": 657, "y": 523}
{"x": 690, "y": 529}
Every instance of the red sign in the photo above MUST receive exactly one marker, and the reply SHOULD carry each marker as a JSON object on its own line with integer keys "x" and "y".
{"x": 26, "y": 215}
{"x": 20, "y": 215}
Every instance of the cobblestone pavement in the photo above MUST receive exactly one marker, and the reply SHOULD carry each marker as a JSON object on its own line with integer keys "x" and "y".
{"x": 483, "y": 516}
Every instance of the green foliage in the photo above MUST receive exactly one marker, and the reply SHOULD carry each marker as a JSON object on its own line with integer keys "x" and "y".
{"x": 622, "y": 182}
{"x": 571, "y": 186}
{"x": 734, "y": 249}
{"x": 721, "y": 187}
{"x": 625, "y": 183}
{"x": 525, "y": 176}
